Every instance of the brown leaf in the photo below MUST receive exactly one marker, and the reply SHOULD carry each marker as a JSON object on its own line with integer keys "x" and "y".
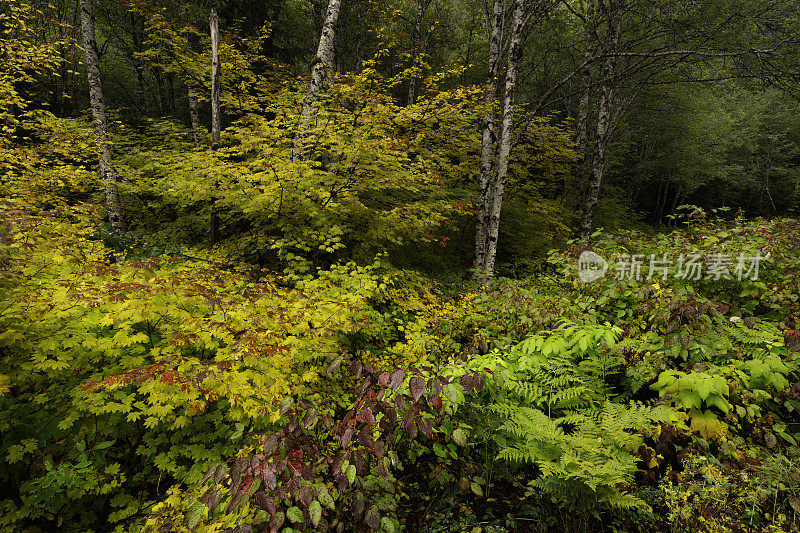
{"x": 219, "y": 473}
{"x": 365, "y": 437}
{"x": 366, "y": 416}
{"x": 479, "y": 381}
{"x": 397, "y": 378}
{"x": 355, "y": 368}
{"x": 265, "y": 501}
{"x": 358, "y": 504}
{"x": 383, "y": 378}
{"x": 468, "y": 383}
{"x": 235, "y": 501}
{"x": 209, "y": 474}
{"x": 307, "y": 494}
{"x": 269, "y": 479}
{"x": 373, "y": 518}
{"x": 417, "y": 387}
{"x": 347, "y": 436}
{"x": 270, "y": 445}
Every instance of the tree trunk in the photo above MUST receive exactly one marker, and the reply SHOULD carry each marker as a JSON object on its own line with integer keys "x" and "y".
{"x": 320, "y": 72}
{"x": 194, "y": 116}
{"x": 504, "y": 152}
{"x": 604, "y": 111}
{"x": 215, "y": 114}
{"x": 107, "y": 172}
{"x": 583, "y": 106}
{"x": 422, "y": 7}
{"x": 137, "y": 38}
{"x": 494, "y": 30}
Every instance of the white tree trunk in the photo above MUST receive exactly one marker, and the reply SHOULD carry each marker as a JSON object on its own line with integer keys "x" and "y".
{"x": 107, "y": 171}
{"x": 514, "y": 56}
{"x": 320, "y": 72}
{"x": 215, "y": 113}
{"x": 494, "y": 30}
{"x": 604, "y": 114}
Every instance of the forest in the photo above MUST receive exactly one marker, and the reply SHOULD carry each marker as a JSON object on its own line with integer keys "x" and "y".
{"x": 434, "y": 266}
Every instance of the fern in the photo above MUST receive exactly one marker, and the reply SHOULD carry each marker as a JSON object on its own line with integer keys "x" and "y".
{"x": 559, "y": 416}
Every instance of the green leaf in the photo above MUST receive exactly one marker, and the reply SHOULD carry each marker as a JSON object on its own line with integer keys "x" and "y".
{"x": 460, "y": 437}
{"x": 295, "y": 514}
{"x": 476, "y": 489}
{"x": 351, "y": 473}
{"x": 195, "y": 515}
{"x": 315, "y": 511}
{"x": 387, "y": 525}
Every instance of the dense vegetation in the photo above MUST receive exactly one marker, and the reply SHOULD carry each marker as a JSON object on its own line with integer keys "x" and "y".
{"x": 291, "y": 325}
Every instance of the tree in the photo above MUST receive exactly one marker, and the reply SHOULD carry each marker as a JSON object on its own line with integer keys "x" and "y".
{"x": 107, "y": 172}
{"x": 416, "y": 49}
{"x": 614, "y": 12}
{"x": 194, "y": 116}
{"x": 321, "y": 68}
{"x": 215, "y": 113}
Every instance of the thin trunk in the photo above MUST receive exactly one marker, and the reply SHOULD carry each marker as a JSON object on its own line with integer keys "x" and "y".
{"x": 194, "y": 116}
{"x": 675, "y": 203}
{"x": 604, "y": 111}
{"x": 137, "y": 37}
{"x": 171, "y": 92}
{"x": 494, "y": 30}
{"x": 583, "y": 106}
{"x": 504, "y": 152}
{"x": 157, "y": 74}
{"x": 215, "y": 114}
{"x": 422, "y": 7}
{"x": 107, "y": 172}
{"x": 215, "y": 117}
{"x": 320, "y": 72}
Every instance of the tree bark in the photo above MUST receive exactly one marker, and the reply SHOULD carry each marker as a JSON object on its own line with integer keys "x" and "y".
{"x": 215, "y": 113}
{"x": 320, "y": 73}
{"x": 422, "y": 7}
{"x": 107, "y": 171}
{"x": 504, "y": 151}
{"x": 494, "y": 29}
{"x": 194, "y": 116}
{"x": 604, "y": 112}
{"x": 583, "y": 106}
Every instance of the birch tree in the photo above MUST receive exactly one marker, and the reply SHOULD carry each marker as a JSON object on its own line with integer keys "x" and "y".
{"x": 605, "y": 105}
{"x": 321, "y": 69}
{"x": 518, "y": 23}
{"x": 494, "y": 30}
{"x": 215, "y": 113}
{"x": 107, "y": 172}
{"x": 494, "y": 170}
